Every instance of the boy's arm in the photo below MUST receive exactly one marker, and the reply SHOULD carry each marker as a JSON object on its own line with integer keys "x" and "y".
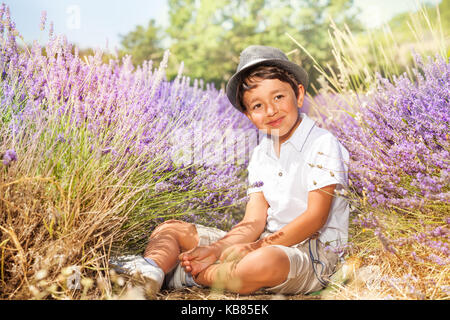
{"x": 307, "y": 224}
{"x": 251, "y": 226}
{"x": 302, "y": 227}
{"x": 248, "y": 230}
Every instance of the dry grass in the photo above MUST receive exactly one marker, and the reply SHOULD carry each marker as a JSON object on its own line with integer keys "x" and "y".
{"x": 54, "y": 247}
{"x": 372, "y": 272}
{"x": 382, "y": 277}
{"x": 208, "y": 294}
{"x": 135, "y": 289}
{"x": 48, "y": 240}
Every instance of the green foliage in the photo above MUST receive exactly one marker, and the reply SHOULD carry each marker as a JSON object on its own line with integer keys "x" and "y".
{"x": 143, "y": 43}
{"x": 387, "y": 49}
{"x": 400, "y": 24}
{"x": 207, "y": 36}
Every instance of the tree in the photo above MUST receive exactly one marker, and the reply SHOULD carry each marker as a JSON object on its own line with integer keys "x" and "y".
{"x": 143, "y": 43}
{"x": 400, "y": 23}
{"x": 391, "y": 47}
{"x": 209, "y": 35}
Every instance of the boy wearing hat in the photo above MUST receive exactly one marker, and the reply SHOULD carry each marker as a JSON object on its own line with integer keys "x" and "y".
{"x": 293, "y": 219}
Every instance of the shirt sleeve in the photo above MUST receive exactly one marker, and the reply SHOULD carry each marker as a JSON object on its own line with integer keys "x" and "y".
{"x": 254, "y": 177}
{"x": 328, "y": 163}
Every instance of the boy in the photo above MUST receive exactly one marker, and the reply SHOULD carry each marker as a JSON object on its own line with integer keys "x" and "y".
{"x": 289, "y": 219}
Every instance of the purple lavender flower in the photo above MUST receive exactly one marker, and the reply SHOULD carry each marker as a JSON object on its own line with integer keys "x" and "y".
{"x": 43, "y": 20}
{"x": 399, "y": 139}
{"x": 60, "y": 138}
{"x": 384, "y": 241}
{"x": 9, "y": 156}
{"x": 416, "y": 258}
{"x": 257, "y": 184}
{"x": 51, "y": 29}
{"x": 162, "y": 187}
{"x": 438, "y": 260}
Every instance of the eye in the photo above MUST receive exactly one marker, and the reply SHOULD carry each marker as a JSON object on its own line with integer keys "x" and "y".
{"x": 256, "y": 106}
{"x": 278, "y": 97}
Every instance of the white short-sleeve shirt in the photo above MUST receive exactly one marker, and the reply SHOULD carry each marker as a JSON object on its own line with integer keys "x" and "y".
{"x": 310, "y": 159}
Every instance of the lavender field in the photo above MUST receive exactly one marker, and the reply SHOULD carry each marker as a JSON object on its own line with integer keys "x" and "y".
{"x": 95, "y": 154}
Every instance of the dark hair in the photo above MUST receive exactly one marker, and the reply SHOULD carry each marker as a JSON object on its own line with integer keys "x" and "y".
{"x": 263, "y": 72}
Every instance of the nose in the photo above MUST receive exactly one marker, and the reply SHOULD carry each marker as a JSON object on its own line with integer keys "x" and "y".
{"x": 271, "y": 109}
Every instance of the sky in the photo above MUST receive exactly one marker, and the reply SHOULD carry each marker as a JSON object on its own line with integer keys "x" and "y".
{"x": 98, "y": 23}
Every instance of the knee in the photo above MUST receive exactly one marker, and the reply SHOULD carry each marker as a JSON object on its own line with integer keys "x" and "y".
{"x": 267, "y": 263}
{"x": 173, "y": 225}
{"x": 264, "y": 267}
{"x": 185, "y": 233}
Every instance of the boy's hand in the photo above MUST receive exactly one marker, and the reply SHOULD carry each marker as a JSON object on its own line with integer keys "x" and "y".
{"x": 238, "y": 251}
{"x": 198, "y": 259}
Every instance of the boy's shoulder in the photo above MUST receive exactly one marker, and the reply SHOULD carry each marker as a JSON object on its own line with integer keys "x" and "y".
{"x": 316, "y": 140}
{"x": 323, "y": 141}
{"x": 319, "y": 134}
{"x": 309, "y": 135}
{"x": 313, "y": 136}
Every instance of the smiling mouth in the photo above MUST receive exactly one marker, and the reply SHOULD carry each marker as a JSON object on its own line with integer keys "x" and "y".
{"x": 276, "y": 122}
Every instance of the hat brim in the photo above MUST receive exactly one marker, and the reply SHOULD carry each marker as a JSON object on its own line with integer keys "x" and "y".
{"x": 299, "y": 73}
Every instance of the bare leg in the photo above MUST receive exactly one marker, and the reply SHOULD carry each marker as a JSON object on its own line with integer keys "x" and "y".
{"x": 168, "y": 240}
{"x": 264, "y": 267}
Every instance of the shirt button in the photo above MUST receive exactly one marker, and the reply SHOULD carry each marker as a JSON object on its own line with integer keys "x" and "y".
{"x": 280, "y": 173}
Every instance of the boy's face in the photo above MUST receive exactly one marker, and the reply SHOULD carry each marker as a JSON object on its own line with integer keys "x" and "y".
{"x": 272, "y": 106}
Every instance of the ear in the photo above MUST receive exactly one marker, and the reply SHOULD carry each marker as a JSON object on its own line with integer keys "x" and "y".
{"x": 301, "y": 95}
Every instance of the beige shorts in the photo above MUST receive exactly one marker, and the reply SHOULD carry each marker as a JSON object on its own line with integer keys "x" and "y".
{"x": 303, "y": 278}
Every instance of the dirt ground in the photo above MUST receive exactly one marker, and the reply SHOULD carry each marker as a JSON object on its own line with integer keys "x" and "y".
{"x": 195, "y": 293}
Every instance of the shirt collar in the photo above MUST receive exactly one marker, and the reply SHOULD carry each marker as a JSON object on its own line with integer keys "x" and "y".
{"x": 298, "y": 138}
